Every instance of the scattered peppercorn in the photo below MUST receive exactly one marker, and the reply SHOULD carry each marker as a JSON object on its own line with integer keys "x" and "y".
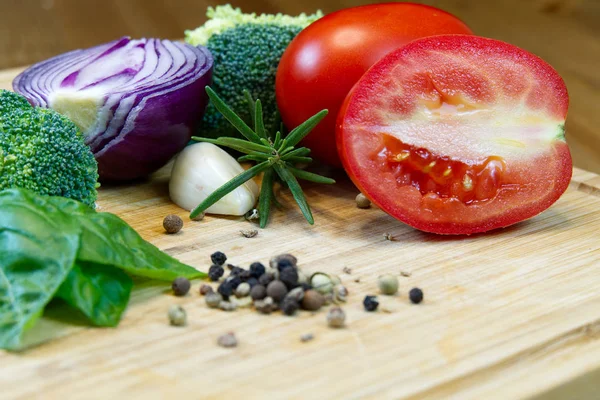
{"x": 266, "y": 278}
{"x": 245, "y": 275}
{"x": 258, "y": 292}
{"x": 347, "y": 270}
{"x": 388, "y": 284}
{"x": 252, "y": 282}
{"x": 257, "y": 269}
{"x": 362, "y": 201}
{"x": 321, "y": 283}
{"x": 283, "y": 260}
{"x": 213, "y": 299}
{"x": 312, "y": 300}
{"x": 306, "y": 286}
{"x": 388, "y": 236}
{"x": 234, "y": 281}
{"x": 289, "y": 276}
{"x": 242, "y": 290}
{"x": 199, "y": 217}
{"x": 227, "y": 340}
{"x": 277, "y": 291}
{"x": 172, "y": 223}
{"x": 234, "y": 270}
{"x": 242, "y": 302}
{"x": 297, "y": 294}
{"x": 307, "y": 337}
{"x": 289, "y": 306}
{"x": 218, "y": 258}
{"x": 177, "y": 315}
{"x": 215, "y": 272}
{"x": 252, "y": 215}
{"x": 336, "y": 317}
{"x": 227, "y": 306}
{"x": 370, "y": 303}
{"x": 340, "y": 293}
{"x": 265, "y": 306}
{"x": 206, "y": 289}
{"x": 249, "y": 233}
{"x": 302, "y": 277}
{"x": 181, "y": 286}
{"x": 225, "y": 289}
{"x": 415, "y": 295}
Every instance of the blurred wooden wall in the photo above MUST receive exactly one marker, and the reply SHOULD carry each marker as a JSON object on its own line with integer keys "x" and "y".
{"x": 566, "y": 33}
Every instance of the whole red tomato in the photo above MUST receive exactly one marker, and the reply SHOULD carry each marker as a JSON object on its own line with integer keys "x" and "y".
{"x": 326, "y": 59}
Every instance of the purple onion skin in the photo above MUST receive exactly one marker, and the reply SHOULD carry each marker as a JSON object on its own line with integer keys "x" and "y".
{"x": 156, "y": 128}
{"x": 163, "y": 128}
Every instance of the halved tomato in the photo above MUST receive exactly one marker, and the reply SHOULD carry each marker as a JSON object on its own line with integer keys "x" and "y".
{"x": 457, "y": 134}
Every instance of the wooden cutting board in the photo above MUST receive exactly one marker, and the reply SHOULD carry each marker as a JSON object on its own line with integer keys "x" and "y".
{"x": 514, "y": 313}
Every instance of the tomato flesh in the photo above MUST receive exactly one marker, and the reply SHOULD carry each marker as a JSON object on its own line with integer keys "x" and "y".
{"x": 457, "y": 134}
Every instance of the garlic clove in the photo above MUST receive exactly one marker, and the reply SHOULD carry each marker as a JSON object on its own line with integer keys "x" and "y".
{"x": 199, "y": 170}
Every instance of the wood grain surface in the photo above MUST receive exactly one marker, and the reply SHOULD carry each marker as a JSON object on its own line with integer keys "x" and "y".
{"x": 566, "y": 33}
{"x": 509, "y": 314}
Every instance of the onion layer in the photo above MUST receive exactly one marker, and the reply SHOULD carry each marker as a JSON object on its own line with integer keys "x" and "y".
{"x": 137, "y": 102}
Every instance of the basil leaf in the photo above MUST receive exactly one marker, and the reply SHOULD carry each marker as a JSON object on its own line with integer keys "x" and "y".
{"x": 36, "y": 255}
{"x": 100, "y": 292}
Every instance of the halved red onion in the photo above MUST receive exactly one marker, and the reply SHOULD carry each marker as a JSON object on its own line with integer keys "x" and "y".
{"x": 136, "y": 101}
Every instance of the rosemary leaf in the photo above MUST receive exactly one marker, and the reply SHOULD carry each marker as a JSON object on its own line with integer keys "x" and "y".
{"x": 251, "y": 104}
{"x": 298, "y": 133}
{"x": 309, "y": 176}
{"x": 219, "y": 143}
{"x": 299, "y": 160}
{"x": 230, "y": 116}
{"x": 277, "y": 141}
{"x": 253, "y": 157}
{"x": 300, "y": 152}
{"x": 259, "y": 124}
{"x": 286, "y": 150}
{"x": 296, "y": 190}
{"x": 235, "y": 143}
{"x": 266, "y": 194}
{"x": 229, "y": 187}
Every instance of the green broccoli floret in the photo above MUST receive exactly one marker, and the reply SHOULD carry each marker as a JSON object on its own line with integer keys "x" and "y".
{"x": 246, "y": 50}
{"x": 43, "y": 151}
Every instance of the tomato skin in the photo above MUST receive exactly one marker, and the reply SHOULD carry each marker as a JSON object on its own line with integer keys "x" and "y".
{"x": 327, "y": 58}
{"x": 539, "y": 174}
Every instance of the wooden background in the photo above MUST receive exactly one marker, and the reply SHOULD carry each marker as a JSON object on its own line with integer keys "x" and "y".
{"x": 566, "y": 33}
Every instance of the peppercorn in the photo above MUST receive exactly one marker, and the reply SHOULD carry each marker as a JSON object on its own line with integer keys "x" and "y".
{"x": 227, "y": 306}
{"x": 245, "y": 275}
{"x": 289, "y": 306}
{"x": 242, "y": 302}
{"x": 181, "y": 286}
{"x": 307, "y": 337}
{"x": 362, "y": 201}
{"x": 242, "y": 290}
{"x": 415, "y": 295}
{"x": 266, "y": 278}
{"x": 265, "y": 306}
{"x": 234, "y": 281}
{"x": 277, "y": 290}
{"x": 218, "y": 258}
{"x": 388, "y": 284}
{"x": 206, "y": 289}
{"x": 252, "y": 282}
{"x": 172, "y": 223}
{"x": 177, "y": 315}
{"x": 283, "y": 260}
{"x": 251, "y": 215}
{"x": 306, "y": 286}
{"x": 225, "y": 289}
{"x": 312, "y": 300}
{"x": 213, "y": 299}
{"x": 336, "y": 317}
{"x": 227, "y": 340}
{"x": 248, "y": 233}
{"x": 234, "y": 270}
{"x": 289, "y": 276}
{"x": 302, "y": 277}
{"x": 297, "y": 294}
{"x": 258, "y": 292}
{"x": 340, "y": 293}
{"x": 215, "y": 272}
{"x": 257, "y": 269}
{"x": 321, "y": 283}
{"x": 370, "y": 303}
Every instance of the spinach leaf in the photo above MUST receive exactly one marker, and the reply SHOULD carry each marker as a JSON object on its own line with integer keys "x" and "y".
{"x": 101, "y": 292}
{"x": 36, "y": 255}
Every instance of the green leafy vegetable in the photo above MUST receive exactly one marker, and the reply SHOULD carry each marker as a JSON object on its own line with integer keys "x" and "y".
{"x": 271, "y": 154}
{"x": 57, "y": 247}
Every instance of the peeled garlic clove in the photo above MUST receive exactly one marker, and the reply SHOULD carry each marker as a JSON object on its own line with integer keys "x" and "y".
{"x": 199, "y": 170}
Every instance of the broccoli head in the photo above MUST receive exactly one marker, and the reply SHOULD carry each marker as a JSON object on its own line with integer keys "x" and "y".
{"x": 43, "y": 151}
{"x": 246, "y": 49}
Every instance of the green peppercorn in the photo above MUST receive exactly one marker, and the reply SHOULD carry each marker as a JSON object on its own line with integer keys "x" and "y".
{"x": 321, "y": 283}
{"x": 388, "y": 284}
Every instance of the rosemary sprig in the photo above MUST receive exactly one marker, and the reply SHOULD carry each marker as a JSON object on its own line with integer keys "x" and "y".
{"x": 275, "y": 156}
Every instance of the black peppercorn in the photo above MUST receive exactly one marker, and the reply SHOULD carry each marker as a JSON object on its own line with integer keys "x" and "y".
{"x": 257, "y": 269}
{"x": 283, "y": 260}
{"x": 289, "y": 306}
{"x": 234, "y": 281}
{"x": 245, "y": 275}
{"x": 415, "y": 295}
{"x": 218, "y": 258}
{"x": 235, "y": 270}
{"x": 277, "y": 290}
{"x": 266, "y": 278}
{"x": 252, "y": 282}
{"x": 285, "y": 263}
{"x": 225, "y": 290}
{"x": 370, "y": 303}
{"x": 181, "y": 286}
{"x": 289, "y": 276}
{"x": 215, "y": 272}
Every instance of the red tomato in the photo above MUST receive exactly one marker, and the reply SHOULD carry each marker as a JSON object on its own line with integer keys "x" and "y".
{"x": 457, "y": 134}
{"x": 326, "y": 59}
